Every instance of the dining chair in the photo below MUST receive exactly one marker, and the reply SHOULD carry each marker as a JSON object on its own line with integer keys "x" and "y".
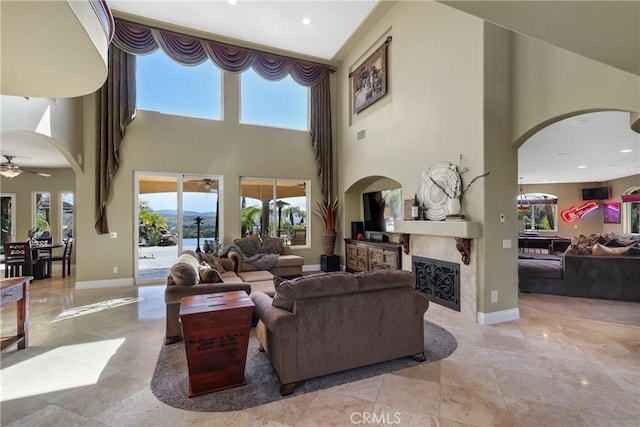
{"x": 45, "y": 251}
{"x": 65, "y": 257}
{"x": 18, "y": 259}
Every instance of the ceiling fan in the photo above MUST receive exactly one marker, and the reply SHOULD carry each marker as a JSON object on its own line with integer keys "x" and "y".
{"x": 11, "y": 170}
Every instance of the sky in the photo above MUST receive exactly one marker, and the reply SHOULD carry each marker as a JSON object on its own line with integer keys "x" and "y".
{"x": 164, "y": 85}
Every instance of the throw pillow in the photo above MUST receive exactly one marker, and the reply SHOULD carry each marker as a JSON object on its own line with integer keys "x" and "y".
{"x": 214, "y": 261}
{"x": 599, "y": 249}
{"x": 185, "y": 270}
{"x": 272, "y": 245}
{"x": 250, "y": 245}
{"x": 208, "y": 274}
{"x": 614, "y": 243}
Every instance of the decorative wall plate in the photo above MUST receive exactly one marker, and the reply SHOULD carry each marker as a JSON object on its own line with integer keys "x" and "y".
{"x": 431, "y": 194}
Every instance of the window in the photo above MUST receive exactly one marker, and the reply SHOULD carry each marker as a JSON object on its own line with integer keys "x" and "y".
{"x": 66, "y": 215}
{"x": 282, "y": 104}
{"x": 275, "y": 207}
{"x": 166, "y": 86}
{"x": 542, "y": 212}
{"x": 631, "y": 211}
{"x": 41, "y": 219}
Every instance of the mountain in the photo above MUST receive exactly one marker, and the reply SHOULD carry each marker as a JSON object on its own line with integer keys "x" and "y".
{"x": 173, "y": 213}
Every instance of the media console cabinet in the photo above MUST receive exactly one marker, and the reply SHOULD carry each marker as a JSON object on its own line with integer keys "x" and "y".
{"x": 366, "y": 255}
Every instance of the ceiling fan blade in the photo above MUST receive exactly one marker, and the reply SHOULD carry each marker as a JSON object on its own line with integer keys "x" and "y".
{"x": 46, "y": 175}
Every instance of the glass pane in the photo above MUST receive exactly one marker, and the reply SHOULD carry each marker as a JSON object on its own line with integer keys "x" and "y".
{"x": 157, "y": 219}
{"x": 169, "y": 87}
{"x": 6, "y": 220}
{"x": 291, "y": 209}
{"x": 200, "y": 214}
{"x": 635, "y": 218}
{"x": 256, "y": 210}
{"x": 281, "y": 104}
{"x": 67, "y": 215}
{"x": 42, "y": 214}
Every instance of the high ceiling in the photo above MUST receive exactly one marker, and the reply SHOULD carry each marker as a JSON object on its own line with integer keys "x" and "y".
{"x": 277, "y": 24}
{"x": 604, "y": 31}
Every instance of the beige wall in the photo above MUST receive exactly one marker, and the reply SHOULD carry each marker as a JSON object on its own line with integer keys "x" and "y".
{"x": 163, "y": 143}
{"x": 551, "y": 83}
{"x": 61, "y": 180}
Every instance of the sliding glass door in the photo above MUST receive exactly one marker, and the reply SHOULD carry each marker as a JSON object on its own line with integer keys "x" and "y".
{"x": 174, "y": 212}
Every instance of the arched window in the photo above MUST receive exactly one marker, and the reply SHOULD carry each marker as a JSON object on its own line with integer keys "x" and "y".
{"x": 631, "y": 211}
{"x": 542, "y": 212}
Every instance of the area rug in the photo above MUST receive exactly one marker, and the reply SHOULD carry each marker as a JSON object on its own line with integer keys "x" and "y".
{"x": 169, "y": 381}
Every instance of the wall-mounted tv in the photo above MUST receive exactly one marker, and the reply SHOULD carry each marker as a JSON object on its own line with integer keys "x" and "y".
{"x": 597, "y": 193}
{"x": 381, "y": 209}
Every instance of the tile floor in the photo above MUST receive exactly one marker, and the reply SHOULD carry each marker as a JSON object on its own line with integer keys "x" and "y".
{"x": 92, "y": 354}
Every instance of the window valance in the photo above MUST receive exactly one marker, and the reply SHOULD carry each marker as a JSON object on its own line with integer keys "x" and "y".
{"x": 137, "y": 39}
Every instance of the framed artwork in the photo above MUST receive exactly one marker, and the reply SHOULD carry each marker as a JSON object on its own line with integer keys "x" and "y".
{"x": 611, "y": 213}
{"x": 369, "y": 80}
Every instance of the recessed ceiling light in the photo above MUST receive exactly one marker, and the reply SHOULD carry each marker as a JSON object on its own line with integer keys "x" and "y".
{"x": 628, "y": 150}
{"x": 232, "y": 2}
{"x": 582, "y": 167}
{"x": 306, "y": 21}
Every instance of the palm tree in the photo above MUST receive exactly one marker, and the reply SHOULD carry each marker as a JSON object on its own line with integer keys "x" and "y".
{"x": 248, "y": 219}
{"x": 148, "y": 216}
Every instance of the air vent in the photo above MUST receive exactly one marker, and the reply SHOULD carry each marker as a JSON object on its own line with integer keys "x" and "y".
{"x": 360, "y": 135}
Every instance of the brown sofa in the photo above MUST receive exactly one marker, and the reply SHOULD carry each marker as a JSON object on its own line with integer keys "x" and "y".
{"x": 287, "y": 265}
{"x": 321, "y": 324}
{"x": 249, "y": 281}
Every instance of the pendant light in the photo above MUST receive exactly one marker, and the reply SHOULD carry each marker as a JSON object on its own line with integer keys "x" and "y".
{"x": 523, "y": 203}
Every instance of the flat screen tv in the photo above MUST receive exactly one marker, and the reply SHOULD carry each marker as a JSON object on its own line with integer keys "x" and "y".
{"x": 597, "y": 193}
{"x": 381, "y": 209}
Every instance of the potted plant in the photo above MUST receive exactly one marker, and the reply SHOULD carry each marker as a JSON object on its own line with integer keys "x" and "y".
{"x": 328, "y": 211}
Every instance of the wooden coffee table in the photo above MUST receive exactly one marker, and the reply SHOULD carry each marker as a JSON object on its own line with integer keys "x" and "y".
{"x": 216, "y": 330}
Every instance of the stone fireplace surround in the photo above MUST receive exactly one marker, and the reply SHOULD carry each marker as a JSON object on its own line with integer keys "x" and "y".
{"x": 444, "y": 249}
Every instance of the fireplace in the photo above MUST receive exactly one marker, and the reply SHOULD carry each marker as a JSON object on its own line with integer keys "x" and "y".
{"x": 438, "y": 280}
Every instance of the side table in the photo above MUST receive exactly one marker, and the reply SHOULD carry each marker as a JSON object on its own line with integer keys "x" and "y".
{"x": 16, "y": 289}
{"x": 216, "y": 329}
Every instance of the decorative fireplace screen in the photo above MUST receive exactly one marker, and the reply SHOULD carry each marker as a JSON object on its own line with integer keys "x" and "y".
{"x": 438, "y": 280}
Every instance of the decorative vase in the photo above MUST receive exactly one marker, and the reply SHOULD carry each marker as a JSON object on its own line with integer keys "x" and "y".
{"x": 454, "y": 207}
{"x": 329, "y": 239}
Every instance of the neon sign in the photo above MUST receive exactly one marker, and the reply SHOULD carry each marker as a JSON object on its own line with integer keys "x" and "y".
{"x": 576, "y": 212}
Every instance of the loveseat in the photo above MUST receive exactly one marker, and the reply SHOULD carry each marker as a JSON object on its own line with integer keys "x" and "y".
{"x": 250, "y": 253}
{"x": 188, "y": 276}
{"x": 595, "y": 266}
{"x": 325, "y": 323}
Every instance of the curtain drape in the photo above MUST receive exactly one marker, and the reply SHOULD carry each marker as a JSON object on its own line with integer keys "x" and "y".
{"x": 115, "y": 109}
{"x": 321, "y": 140}
{"x": 138, "y": 39}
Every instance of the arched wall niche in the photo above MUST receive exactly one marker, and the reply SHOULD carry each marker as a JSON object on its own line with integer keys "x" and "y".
{"x": 353, "y": 197}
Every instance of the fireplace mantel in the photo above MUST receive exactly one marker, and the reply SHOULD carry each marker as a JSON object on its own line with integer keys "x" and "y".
{"x": 462, "y": 229}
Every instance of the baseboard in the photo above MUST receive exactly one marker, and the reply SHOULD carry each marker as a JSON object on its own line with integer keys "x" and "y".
{"x": 498, "y": 316}
{"x": 111, "y": 283}
{"x": 317, "y": 267}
